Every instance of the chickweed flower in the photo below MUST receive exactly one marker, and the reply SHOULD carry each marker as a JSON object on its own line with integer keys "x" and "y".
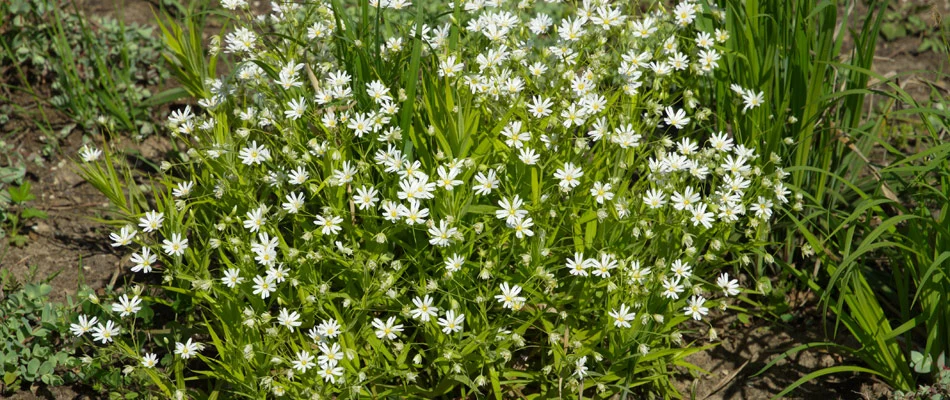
{"x": 127, "y": 306}
{"x": 296, "y": 175}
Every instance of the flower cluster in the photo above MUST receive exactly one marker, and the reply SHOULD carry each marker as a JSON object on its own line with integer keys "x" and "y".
{"x": 546, "y": 193}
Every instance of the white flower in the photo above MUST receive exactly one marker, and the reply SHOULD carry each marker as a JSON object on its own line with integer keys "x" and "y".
{"x": 330, "y": 372}
{"x": 124, "y": 237}
{"x": 752, "y": 99}
{"x": 511, "y": 210}
{"x": 447, "y": 177}
{"x": 695, "y": 308}
{"x": 387, "y": 329}
{"x": 254, "y": 154}
{"x": 720, "y": 142}
{"x": 580, "y": 369}
{"x": 296, "y": 108}
{"x": 232, "y": 277}
{"x": 89, "y": 154}
{"x": 441, "y": 235}
{"x": 330, "y": 224}
{"x": 331, "y": 354}
{"x": 603, "y": 266}
{"x": 183, "y": 189}
{"x": 700, "y": 216}
{"x": 569, "y": 176}
{"x": 150, "y": 360}
{"x": 454, "y": 263}
{"x": 424, "y": 309}
{"x": 186, "y": 350}
{"x": 365, "y": 197}
{"x": 105, "y": 333}
{"x": 509, "y": 296}
{"x": 413, "y": 214}
{"x": 84, "y": 325}
{"x": 540, "y": 107}
{"x": 485, "y": 183}
{"x": 294, "y": 203}
{"x": 528, "y": 156}
{"x": 451, "y": 323}
{"x": 143, "y": 261}
{"x": 255, "y": 219}
{"x": 685, "y": 200}
{"x": 676, "y": 118}
{"x": 264, "y": 286}
{"x": 127, "y": 306}
{"x": 290, "y": 319}
{"x": 522, "y": 228}
{"x": 329, "y": 328}
{"x": 176, "y": 246}
{"x": 601, "y": 192}
{"x": 152, "y": 221}
{"x": 762, "y": 208}
{"x": 730, "y": 287}
{"x": 672, "y": 288}
{"x": 655, "y": 198}
{"x": 622, "y": 317}
{"x": 303, "y": 362}
{"x": 578, "y": 265}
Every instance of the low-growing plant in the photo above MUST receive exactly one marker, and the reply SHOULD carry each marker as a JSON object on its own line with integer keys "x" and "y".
{"x": 15, "y": 213}
{"x": 35, "y": 336}
{"x": 382, "y": 202}
{"x": 99, "y": 69}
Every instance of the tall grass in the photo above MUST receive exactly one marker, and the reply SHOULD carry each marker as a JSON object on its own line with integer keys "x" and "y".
{"x": 881, "y": 263}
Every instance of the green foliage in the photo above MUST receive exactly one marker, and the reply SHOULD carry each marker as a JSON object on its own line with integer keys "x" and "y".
{"x": 15, "y": 212}
{"x": 548, "y": 274}
{"x": 939, "y": 390}
{"x": 98, "y": 68}
{"x": 34, "y": 333}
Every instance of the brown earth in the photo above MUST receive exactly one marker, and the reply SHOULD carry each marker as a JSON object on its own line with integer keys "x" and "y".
{"x": 73, "y": 248}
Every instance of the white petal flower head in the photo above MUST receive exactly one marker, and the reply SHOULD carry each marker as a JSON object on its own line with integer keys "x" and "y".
{"x": 85, "y": 324}
{"x": 569, "y": 176}
{"x": 290, "y": 319}
{"x": 264, "y": 286}
{"x": 695, "y": 308}
{"x": 424, "y": 309}
{"x": 89, "y": 153}
{"x": 452, "y": 322}
{"x": 105, "y": 333}
{"x": 186, "y": 350}
{"x": 329, "y": 225}
{"x": 127, "y": 306}
{"x": 509, "y": 296}
{"x": 388, "y": 329}
{"x": 303, "y": 362}
{"x": 123, "y": 237}
{"x": 676, "y": 118}
{"x": 149, "y": 360}
{"x": 176, "y": 245}
{"x": 730, "y": 287}
{"x": 232, "y": 277}
{"x": 254, "y": 154}
{"x": 152, "y": 221}
{"x": 622, "y": 317}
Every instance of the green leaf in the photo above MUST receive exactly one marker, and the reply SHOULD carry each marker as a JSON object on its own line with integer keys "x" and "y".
{"x": 922, "y": 363}
{"x": 166, "y": 96}
{"x": 893, "y": 31}
{"x": 30, "y": 212}
{"x": 21, "y": 194}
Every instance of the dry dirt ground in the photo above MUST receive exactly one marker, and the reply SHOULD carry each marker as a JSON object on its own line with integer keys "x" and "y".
{"x": 73, "y": 248}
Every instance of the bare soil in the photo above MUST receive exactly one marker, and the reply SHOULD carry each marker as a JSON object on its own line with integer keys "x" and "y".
{"x": 72, "y": 248}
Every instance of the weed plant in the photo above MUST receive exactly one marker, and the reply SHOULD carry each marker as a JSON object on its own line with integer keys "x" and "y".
{"x": 99, "y": 69}
{"x": 380, "y": 201}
